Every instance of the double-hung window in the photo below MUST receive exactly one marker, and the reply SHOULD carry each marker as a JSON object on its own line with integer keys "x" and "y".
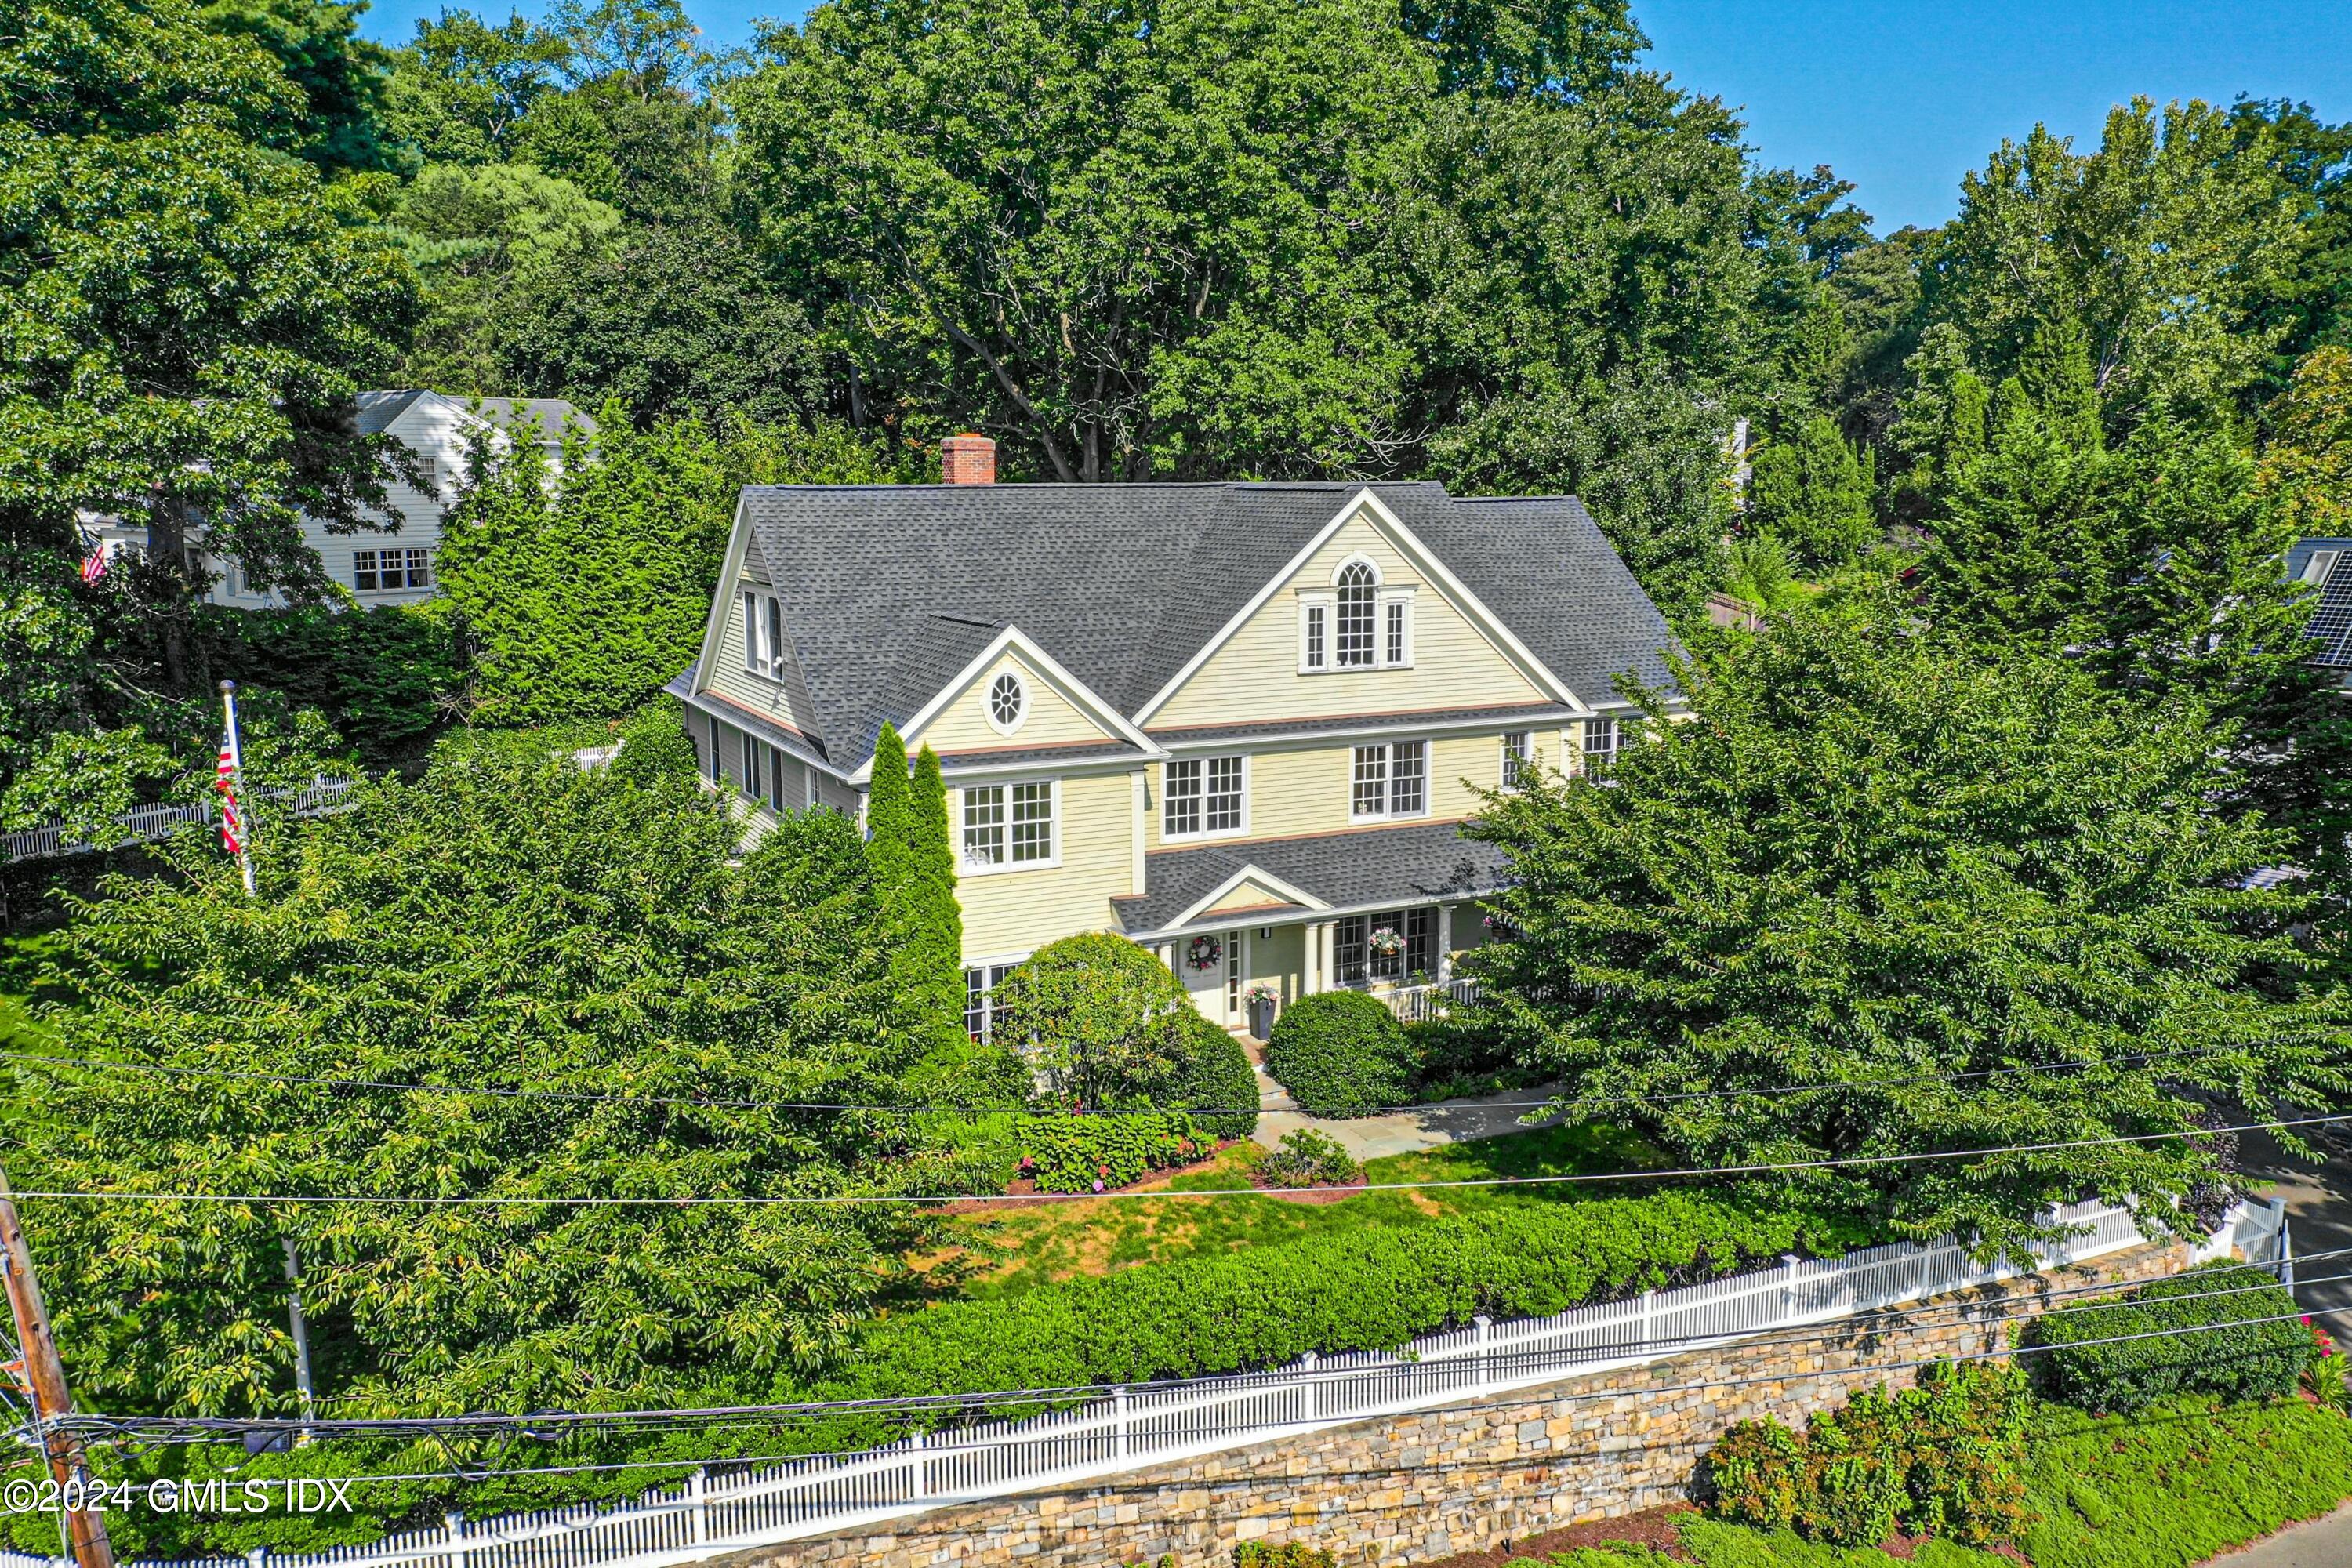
{"x": 1600, "y": 745}
{"x": 763, "y": 635}
{"x": 388, "y": 571}
{"x": 983, "y": 1013}
{"x": 1203, "y": 796}
{"x": 1516, "y": 754}
{"x": 1008, "y": 825}
{"x": 1389, "y": 780}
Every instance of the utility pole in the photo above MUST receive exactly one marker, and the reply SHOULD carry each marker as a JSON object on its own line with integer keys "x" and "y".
{"x": 301, "y": 1338}
{"x": 44, "y": 1375}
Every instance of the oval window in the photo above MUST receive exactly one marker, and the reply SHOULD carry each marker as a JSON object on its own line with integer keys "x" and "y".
{"x": 1008, "y": 701}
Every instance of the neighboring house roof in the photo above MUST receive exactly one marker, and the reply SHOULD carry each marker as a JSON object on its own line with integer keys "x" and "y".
{"x": 1364, "y": 869}
{"x": 890, "y": 590}
{"x": 379, "y": 410}
{"x": 2328, "y": 563}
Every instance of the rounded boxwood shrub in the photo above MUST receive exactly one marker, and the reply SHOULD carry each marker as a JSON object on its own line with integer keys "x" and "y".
{"x": 1217, "y": 1087}
{"x": 1341, "y": 1053}
{"x": 2224, "y": 1330}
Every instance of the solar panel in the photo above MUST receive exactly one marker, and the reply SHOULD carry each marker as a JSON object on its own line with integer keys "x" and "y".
{"x": 2331, "y": 623}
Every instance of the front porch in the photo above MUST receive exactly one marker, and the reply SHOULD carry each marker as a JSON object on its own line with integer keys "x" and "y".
{"x": 1385, "y": 910}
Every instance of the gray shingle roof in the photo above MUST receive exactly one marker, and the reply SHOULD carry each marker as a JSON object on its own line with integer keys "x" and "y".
{"x": 1368, "y": 868}
{"x": 377, "y": 410}
{"x": 884, "y": 585}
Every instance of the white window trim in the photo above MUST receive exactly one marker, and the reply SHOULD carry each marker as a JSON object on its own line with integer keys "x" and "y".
{"x": 1381, "y": 602}
{"x": 988, "y": 702}
{"x": 1053, "y": 860}
{"x": 1329, "y": 603}
{"x": 1388, "y": 783}
{"x": 1526, "y": 759}
{"x": 1204, "y": 760}
{"x": 763, "y": 623}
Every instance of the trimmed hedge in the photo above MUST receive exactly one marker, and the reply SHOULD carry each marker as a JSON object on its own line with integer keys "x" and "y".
{"x": 1218, "y": 1079}
{"x": 1092, "y": 1153}
{"x": 2244, "y": 1359}
{"x": 1369, "y": 1287}
{"x": 1940, "y": 1459}
{"x": 1341, "y": 1053}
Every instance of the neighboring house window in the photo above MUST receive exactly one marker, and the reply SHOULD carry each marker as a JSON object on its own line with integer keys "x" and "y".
{"x": 982, "y": 1013}
{"x": 1318, "y": 618}
{"x": 1600, "y": 745}
{"x": 1348, "y": 950}
{"x": 1390, "y": 779}
{"x": 429, "y": 474}
{"x": 754, "y": 753}
{"x": 1357, "y": 589}
{"x": 763, "y": 635}
{"x": 387, "y": 570}
{"x": 1394, "y": 653}
{"x": 1516, "y": 770}
{"x": 1204, "y": 795}
{"x": 1008, "y": 825}
{"x": 1355, "y": 960}
{"x": 776, "y": 777}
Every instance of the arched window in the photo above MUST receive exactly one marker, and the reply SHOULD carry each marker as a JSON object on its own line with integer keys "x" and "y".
{"x": 1355, "y": 640}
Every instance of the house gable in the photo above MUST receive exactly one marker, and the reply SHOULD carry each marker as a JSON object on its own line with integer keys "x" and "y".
{"x": 722, "y": 671}
{"x": 1251, "y": 895}
{"x": 1460, "y": 656}
{"x": 1054, "y": 709}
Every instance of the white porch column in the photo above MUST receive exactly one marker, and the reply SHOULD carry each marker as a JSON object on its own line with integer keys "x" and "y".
{"x": 1445, "y": 942}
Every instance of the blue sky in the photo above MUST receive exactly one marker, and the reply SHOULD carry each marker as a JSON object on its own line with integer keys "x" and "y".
{"x": 1899, "y": 96}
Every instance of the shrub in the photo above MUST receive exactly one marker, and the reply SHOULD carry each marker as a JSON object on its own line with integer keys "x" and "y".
{"x": 1309, "y": 1159}
{"x": 1363, "y": 1287}
{"x": 2209, "y": 1342}
{"x": 654, "y": 744}
{"x": 1341, "y": 1053}
{"x": 2324, "y": 1376}
{"x": 382, "y": 677}
{"x": 1218, "y": 1087}
{"x": 1940, "y": 1459}
{"x": 1104, "y": 1021}
{"x": 1093, "y": 1154}
{"x": 1290, "y": 1555}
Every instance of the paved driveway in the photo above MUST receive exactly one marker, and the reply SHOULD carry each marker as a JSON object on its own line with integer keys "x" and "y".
{"x": 2319, "y": 1219}
{"x": 2323, "y": 1544}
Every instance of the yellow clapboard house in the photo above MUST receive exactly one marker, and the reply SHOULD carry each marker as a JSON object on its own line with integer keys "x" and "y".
{"x": 1239, "y": 725}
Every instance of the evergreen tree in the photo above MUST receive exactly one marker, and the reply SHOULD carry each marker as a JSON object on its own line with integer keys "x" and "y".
{"x": 933, "y": 858}
{"x": 1815, "y": 493}
{"x": 889, "y": 821}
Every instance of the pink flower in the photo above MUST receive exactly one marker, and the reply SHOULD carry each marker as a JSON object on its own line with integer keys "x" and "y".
{"x": 1097, "y": 1186}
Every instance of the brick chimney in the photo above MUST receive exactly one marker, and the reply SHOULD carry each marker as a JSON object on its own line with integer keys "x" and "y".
{"x": 967, "y": 459}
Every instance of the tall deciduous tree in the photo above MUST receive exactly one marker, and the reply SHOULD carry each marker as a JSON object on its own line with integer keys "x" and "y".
{"x": 1875, "y": 857}
{"x": 461, "y": 88}
{"x": 596, "y": 991}
{"x": 1814, "y": 492}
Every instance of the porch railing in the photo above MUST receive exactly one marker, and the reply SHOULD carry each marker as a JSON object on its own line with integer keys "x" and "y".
{"x": 1422, "y": 1004}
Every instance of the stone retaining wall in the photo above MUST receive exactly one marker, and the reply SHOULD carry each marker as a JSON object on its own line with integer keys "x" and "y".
{"x": 1409, "y": 1488}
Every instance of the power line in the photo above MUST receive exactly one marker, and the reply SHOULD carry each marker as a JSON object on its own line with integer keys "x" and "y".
{"x": 932, "y": 1449}
{"x": 38, "y": 1059}
{"x": 835, "y": 1199}
{"x": 174, "y": 1429}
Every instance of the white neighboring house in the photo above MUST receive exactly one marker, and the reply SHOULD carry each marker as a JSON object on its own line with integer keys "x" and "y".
{"x": 390, "y": 567}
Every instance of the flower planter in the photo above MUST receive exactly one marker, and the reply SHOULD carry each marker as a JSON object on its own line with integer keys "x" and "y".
{"x": 1261, "y": 1016}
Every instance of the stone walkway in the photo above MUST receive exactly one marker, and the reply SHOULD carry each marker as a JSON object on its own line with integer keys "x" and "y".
{"x": 2321, "y": 1544}
{"x": 1401, "y": 1132}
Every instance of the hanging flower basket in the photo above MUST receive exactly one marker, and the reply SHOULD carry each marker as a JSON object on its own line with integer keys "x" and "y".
{"x": 1386, "y": 942}
{"x": 1204, "y": 952}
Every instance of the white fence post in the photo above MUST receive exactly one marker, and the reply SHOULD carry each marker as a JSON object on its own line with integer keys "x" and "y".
{"x": 697, "y": 1486}
{"x": 1119, "y": 1421}
{"x": 1649, "y": 1299}
{"x": 2281, "y": 1254}
{"x": 1306, "y": 1386}
{"x": 1788, "y": 1287}
{"x": 922, "y": 1466}
{"x": 458, "y": 1540}
{"x": 1485, "y": 1326}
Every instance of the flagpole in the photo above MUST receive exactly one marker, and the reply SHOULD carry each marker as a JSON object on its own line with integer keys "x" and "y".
{"x": 232, "y": 784}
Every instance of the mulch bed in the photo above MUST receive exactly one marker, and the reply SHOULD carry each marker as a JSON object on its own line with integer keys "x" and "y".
{"x": 1329, "y": 1193}
{"x": 1023, "y": 1187}
{"x": 1656, "y": 1527}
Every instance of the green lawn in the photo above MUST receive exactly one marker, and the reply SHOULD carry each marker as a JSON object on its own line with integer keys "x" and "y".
{"x": 1012, "y": 1250}
{"x": 2169, "y": 1488}
{"x": 21, "y": 990}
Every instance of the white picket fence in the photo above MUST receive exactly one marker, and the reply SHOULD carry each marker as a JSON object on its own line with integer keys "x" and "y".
{"x": 145, "y": 823}
{"x": 1159, "y": 1423}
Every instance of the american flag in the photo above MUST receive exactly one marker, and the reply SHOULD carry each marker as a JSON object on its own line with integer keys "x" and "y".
{"x": 93, "y": 561}
{"x": 224, "y": 780}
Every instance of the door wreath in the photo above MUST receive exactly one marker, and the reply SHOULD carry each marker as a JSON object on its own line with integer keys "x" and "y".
{"x": 1204, "y": 952}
